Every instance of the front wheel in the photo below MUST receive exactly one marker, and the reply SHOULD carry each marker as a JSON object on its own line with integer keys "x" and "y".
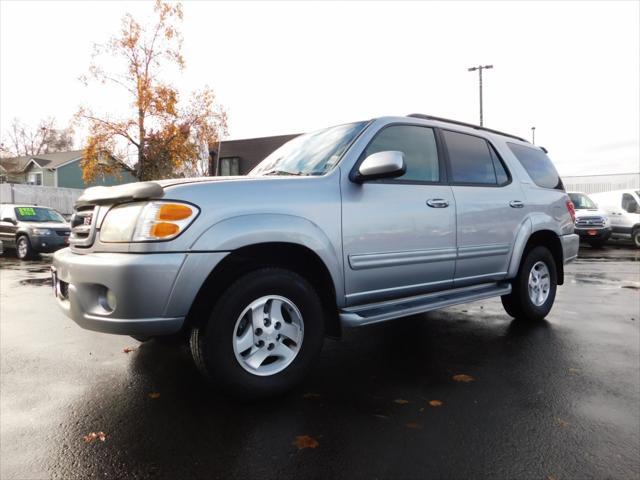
{"x": 534, "y": 289}
{"x": 262, "y": 335}
{"x": 635, "y": 236}
{"x": 24, "y": 250}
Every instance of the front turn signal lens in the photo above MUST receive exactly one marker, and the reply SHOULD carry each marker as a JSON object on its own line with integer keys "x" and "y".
{"x": 164, "y": 229}
{"x": 173, "y": 212}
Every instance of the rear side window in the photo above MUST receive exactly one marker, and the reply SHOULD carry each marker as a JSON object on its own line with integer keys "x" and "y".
{"x": 473, "y": 160}
{"x": 538, "y": 166}
{"x": 419, "y": 147}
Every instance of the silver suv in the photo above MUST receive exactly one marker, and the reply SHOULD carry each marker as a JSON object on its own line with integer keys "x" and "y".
{"x": 348, "y": 226}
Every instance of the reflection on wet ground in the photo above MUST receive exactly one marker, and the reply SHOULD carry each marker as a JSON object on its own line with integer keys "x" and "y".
{"x": 558, "y": 399}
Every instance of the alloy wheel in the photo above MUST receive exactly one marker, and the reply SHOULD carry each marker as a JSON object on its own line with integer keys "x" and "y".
{"x": 268, "y": 335}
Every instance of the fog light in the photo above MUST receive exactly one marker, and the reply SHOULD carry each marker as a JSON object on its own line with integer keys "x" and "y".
{"x": 111, "y": 300}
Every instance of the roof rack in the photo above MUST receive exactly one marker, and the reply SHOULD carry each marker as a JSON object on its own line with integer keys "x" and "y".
{"x": 464, "y": 124}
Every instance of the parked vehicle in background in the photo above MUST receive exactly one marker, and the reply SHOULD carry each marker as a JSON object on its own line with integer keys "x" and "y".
{"x": 30, "y": 230}
{"x": 623, "y": 208}
{"x": 349, "y": 226}
{"x": 592, "y": 224}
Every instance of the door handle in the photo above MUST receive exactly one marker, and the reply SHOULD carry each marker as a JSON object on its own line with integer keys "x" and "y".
{"x": 516, "y": 204}
{"x": 437, "y": 203}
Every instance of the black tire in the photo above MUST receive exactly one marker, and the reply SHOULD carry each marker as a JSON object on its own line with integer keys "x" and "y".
{"x": 24, "y": 250}
{"x": 635, "y": 237}
{"x": 212, "y": 341}
{"x": 518, "y": 303}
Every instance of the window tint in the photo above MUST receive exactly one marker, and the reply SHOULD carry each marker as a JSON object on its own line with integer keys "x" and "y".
{"x": 471, "y": 159}
{"x": 629, "y": 203}
{"x": 501, "y": 174}
{"x": 418, "y": 145}
{"x": 538, "y": 166}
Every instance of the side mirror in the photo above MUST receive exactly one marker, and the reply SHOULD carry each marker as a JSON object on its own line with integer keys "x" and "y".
{"x": 389, "y": 164}
{"x": 9, "y": 220}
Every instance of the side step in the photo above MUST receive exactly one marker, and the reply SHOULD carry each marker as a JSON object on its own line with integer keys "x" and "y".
{"x": 383, "y": 311}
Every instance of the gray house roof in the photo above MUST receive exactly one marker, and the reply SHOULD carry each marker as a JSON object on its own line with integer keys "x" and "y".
{"x": 45, "y": 160}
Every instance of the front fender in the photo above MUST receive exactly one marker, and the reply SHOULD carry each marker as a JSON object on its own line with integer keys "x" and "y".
{"x": 245, "y": 230}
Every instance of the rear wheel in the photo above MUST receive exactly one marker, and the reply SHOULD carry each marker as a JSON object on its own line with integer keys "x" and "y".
{"x": 24, "y": 250}
{"x": 262, "y": 335}
{"x": 534, "y": 289}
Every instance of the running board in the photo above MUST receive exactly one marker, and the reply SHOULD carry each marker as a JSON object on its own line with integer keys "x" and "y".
{"x": 383, "y": 311}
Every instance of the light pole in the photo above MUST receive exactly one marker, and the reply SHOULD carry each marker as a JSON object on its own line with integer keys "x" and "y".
{"x": 533, "y": 135}
{"x": 479, "y": 68}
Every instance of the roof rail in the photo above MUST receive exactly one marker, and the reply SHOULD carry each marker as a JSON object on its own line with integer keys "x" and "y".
{"x": 464, "y": 124}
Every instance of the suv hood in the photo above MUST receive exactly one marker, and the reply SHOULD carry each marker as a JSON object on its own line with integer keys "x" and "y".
{"x": 146, "y": 190}
{"x": 590, "y": 212}
{"x": 51, "y": 225}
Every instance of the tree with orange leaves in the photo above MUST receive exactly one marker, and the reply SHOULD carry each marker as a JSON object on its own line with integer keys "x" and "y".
{"x": 170, "y": 137}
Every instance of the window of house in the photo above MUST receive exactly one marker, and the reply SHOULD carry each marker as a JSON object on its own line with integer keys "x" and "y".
{"x": 34, "y": 178}
{"x": 418, "y": 145}
{"x": 229, "y": 166}
{"x": 538, "y": 165}
{"x": 473, "y": 160}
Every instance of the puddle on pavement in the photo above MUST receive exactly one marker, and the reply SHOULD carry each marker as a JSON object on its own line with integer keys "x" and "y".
{"x": 36, "y": 281}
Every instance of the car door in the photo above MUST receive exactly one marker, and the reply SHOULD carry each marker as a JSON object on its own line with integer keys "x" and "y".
{"x": 7, "y": 229}
{"x": 489, "y": 208}
{"x": 399, "y": 234}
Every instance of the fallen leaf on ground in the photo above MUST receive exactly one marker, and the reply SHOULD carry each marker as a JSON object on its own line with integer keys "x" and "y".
{"x": 562, "y": 423}
{"x": 305, "y": 441}
{"x": 574, "y": 370}
{"x": 435, "y": 403}
{"x": 95, "y": 436}
{"x": 311, "y": 395}
{"x": 401, "y": 401}
{"x": 128, "y": 349}
{"x": 381, "y": 416}
{"x": 414, "y": 425}
{"x": 154, "y": 395}
{"x": 462, "y": 377}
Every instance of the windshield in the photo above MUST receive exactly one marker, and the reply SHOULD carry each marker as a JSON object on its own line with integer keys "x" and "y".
{"x": 37, "y": 214}
{"x": 582, "y": 202}
{"x": 310, "y": 154}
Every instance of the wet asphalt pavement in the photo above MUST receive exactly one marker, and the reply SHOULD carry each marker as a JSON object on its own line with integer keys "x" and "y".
{"x": 556, "y": 400}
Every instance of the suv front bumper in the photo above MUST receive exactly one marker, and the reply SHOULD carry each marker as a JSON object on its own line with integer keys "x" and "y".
{"x": 130, "y": 294}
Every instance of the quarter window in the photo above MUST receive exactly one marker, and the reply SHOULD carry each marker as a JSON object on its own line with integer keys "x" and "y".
{"x": 473, "y": 160}
{"x": 418, "y": 144}
{"x": 538, "y": 165}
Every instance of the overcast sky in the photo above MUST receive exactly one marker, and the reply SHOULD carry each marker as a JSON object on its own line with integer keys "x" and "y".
{"x": 571, "y": 69}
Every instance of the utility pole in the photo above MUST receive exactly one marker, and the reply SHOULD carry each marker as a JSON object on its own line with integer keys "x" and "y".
{"x": 479, "y": 68}
{"x": 533, "y": 135}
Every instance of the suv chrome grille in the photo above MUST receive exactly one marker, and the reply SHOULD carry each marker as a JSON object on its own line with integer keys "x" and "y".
{"x": 590, "y": 222}
{"x": 83, "y": 226}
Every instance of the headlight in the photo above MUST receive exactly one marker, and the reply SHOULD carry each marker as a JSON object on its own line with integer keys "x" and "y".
{"x": 41, "y": 231}
{"x": 149, "y": 221}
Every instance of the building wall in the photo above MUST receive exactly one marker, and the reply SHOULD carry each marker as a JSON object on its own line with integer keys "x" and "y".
{"x": 70, "y": 176}
{"x": 601, "y": 183}
{"x": 48, "y": 177}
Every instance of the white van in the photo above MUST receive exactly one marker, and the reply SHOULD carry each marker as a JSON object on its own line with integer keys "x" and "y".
{"x": 623, "y": 209}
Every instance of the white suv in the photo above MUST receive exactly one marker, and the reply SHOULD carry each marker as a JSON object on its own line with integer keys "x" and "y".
{"x": 623, "y": 208}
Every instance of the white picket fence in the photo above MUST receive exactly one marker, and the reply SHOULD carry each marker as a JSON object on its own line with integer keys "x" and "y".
{"x": 61, "y": 199}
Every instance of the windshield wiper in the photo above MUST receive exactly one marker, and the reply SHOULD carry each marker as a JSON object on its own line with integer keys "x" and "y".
{"x": 275, "y": 171}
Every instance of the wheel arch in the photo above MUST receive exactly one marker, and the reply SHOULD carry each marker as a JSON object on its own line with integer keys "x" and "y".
{"x": 293, "y": 256}
{"x": 542, "y": 237}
